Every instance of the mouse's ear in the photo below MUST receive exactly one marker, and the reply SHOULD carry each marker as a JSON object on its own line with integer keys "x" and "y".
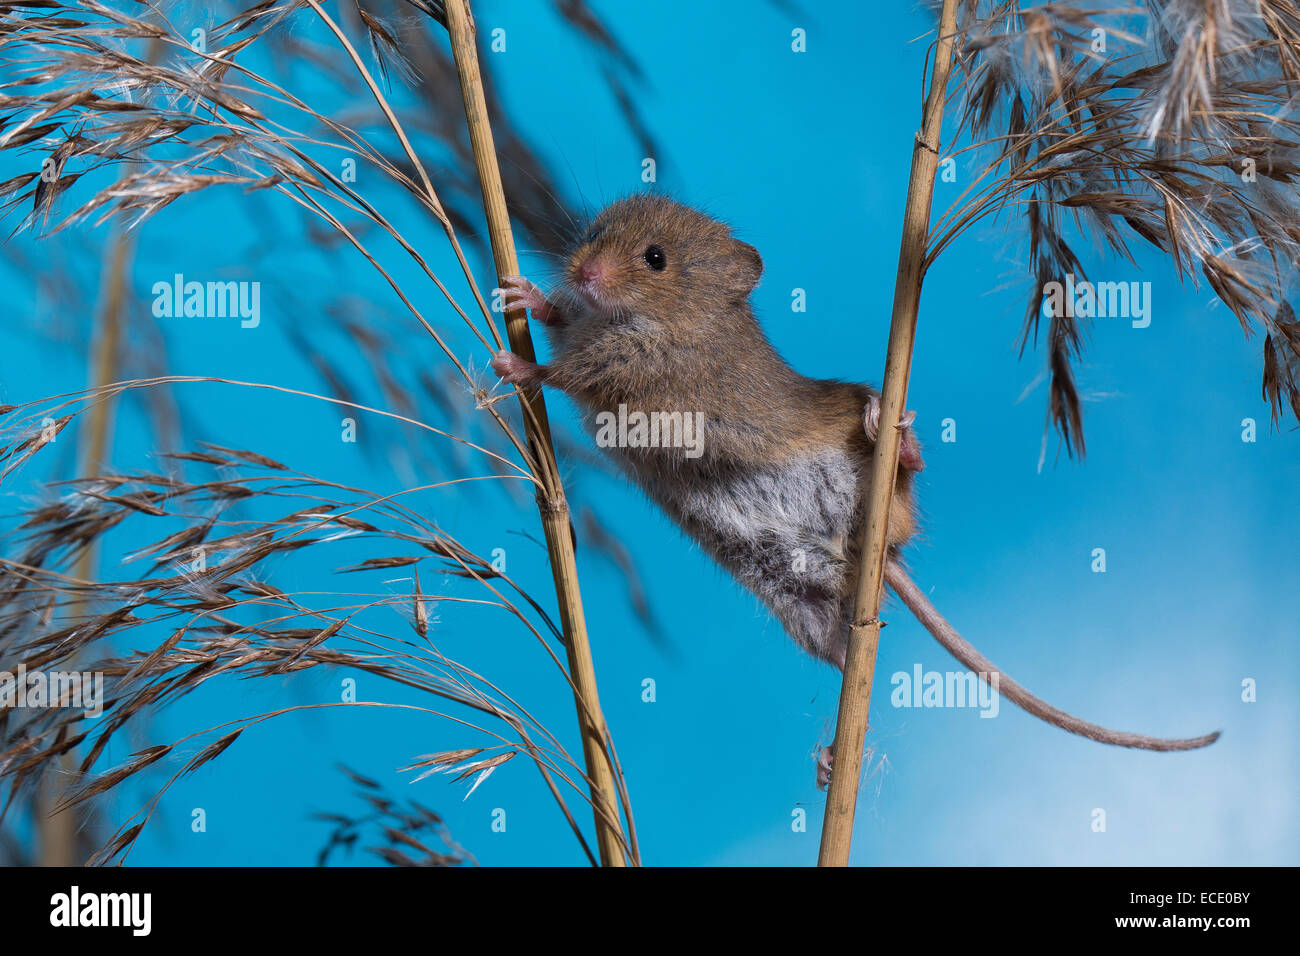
{"x": 750, "y": 266}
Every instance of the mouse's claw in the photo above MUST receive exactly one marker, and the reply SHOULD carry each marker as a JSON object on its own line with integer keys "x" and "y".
{"x": 518, "y": 292}
{"x": 517, "y": 371}
{"x": 909, "y": 449}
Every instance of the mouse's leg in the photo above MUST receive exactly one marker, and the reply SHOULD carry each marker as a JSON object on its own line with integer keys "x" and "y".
{"x": 519, "y": 293}
{"x": 518, "y": 371}
{"x": 909, "y": 449}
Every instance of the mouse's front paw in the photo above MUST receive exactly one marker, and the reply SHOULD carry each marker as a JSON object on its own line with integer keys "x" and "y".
{"x": 517, "y": 371}
{"x": 518, "y": 293}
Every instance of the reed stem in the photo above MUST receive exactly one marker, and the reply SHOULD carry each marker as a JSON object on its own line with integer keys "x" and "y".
{"x": 56, "y": 832}
{"x": 864, "y": 636}
{"x": 551, "y": 502}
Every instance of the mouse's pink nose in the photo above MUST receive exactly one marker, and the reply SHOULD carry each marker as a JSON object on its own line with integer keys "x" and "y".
{"x": 591, "y": 273}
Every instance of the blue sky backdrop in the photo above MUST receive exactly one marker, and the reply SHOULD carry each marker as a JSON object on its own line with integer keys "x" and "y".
{"x": 806, "y": 155}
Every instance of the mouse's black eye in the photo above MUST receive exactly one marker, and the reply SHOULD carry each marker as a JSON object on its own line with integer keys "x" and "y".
{"x": 655, "y": 259}
{"x": 593, "y": 235}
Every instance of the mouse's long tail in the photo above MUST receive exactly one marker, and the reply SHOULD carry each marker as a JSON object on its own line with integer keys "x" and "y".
{"x": 956, "y": 645}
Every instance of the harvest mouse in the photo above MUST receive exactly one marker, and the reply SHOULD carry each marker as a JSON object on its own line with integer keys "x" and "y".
{"x": 655, "y": 317}
{"x": 654, "y": 338}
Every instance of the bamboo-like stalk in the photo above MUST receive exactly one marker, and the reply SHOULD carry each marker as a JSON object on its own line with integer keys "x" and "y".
{"x": 551, "y": 502}
{"x": 864, "y": 636}
{"x": 56, "y": 833}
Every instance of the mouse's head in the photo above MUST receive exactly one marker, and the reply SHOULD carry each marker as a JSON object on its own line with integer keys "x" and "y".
{"x": 649, "y": 255}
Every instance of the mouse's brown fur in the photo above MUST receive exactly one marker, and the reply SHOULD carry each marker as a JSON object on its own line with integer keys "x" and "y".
{"x": 774, "y": 495}
{"x": 705, "y": 350}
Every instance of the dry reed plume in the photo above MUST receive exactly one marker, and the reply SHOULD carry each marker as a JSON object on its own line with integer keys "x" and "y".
{"x": 78, "y": 95}
{"x": 1181, "y": 132}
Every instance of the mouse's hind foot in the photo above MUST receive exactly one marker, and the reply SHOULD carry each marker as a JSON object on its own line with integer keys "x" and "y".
{"x": 909, "y": 449}
{"x": 825, "y": 764}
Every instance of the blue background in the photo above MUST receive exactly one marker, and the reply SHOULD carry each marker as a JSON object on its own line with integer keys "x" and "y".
{"x": 806, "y": 155}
